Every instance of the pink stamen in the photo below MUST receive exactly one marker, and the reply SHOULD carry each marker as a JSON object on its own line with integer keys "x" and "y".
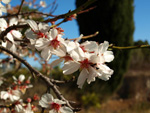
{"x": 55, "y": 106}
{"x": 83, "y": 48}
{"x": 67, "y": 58}
{"x": 55, "y": 43}
{"x": 85, "y": 63}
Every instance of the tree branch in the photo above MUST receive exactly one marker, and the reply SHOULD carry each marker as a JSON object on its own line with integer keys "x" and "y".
{"x": 20, "y": 6}
{"x": 128, "y": 47}
{"x": 41, "y": 76}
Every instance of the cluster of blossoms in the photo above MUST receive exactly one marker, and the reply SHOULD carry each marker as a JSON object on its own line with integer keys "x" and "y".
{"x": 88, "y": 57}
{"x": 14, "y": 103}
{"x": 13, "y": 96}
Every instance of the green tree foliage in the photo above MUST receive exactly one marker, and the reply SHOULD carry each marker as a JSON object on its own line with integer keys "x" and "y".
{"x": 140, "y": 57}
{"x": 114, "y": 21}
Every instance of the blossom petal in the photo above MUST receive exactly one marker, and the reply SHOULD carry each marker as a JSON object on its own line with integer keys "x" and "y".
{"x": 70, "y": 67}
{"x": 30, "y": 34}
{"x": 54, "y": 33}
{"x": 6, "y": 1}
{"x": 33, "y": 25}
{"x": 21, "y": 78}
{"x": 46, "y": 53}
{"x": 60, "y": 102}
{"x": 43, "y": 27}
{"x": 56, "y": 62}
{"x": 13, "y": 21}
{"x": 90, "y": 45}
{"x": 108, "y": 55}
{"x": 103, "y": 47}
{"x": 10, "y": 37}
{"x": 45, "y": 100}
{"x": 82, "y": 77}
{"x": 16, "y": 34}
{"x": 41, "y": 44}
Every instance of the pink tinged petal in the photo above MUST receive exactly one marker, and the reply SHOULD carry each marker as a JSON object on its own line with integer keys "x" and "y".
{"x": 21, "y": 78}
{"x": 56, "y": 62}
{"x": 33, "y": 25}
{"x": 16, "y": 34}
{"x": 46, "y": 99}
{"x": 54, "y": 33}
{"x": 103, "y": 47}
{"x": 41, "y": 44}
{"x": 108, "y": 55}
{"x": 3, "y": 23}
{"x": 70, "y": 67}
{"x": 46, "y": 53}
{"x": 6, "y": 1}
{"x": 43, "y": 27}
{"x": 82, "y": 77}
{"x": 13, "y": 21}
{"x": 90, "y": 46}
{"x": 65, "y": 110}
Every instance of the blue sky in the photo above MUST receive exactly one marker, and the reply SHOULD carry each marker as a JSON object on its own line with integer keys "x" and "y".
{"x": 141, "y": 19}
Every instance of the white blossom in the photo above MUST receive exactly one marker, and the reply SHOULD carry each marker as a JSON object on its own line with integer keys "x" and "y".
{"x": 55, "y": 105}
{"x": 11, "y": 95}
{"x": 42, "y": 3}
{"x": 91, "y": 63}
{"x": 10, "y": 43}
{"x": 53, "y": 45}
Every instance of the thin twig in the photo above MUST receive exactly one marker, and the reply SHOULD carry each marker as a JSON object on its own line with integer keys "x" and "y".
{"x": 20, "y": 6}
{"x": 85, "y": 37}
{"x": 128, "y": 47}
{"x": 72, "y": 12}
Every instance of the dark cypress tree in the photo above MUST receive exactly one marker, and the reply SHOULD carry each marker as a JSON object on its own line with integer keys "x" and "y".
{"x": 114, "y": 21}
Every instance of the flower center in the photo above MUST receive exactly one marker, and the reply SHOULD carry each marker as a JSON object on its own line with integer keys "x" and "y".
{"x": 40, "y": 35}
{"x": 85, "y": 63}
{"x": 55, "y": 106}
{"x": 83, "y": 48}
{"x": 55, "y": 43}
{"x": 67, "y": 58}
